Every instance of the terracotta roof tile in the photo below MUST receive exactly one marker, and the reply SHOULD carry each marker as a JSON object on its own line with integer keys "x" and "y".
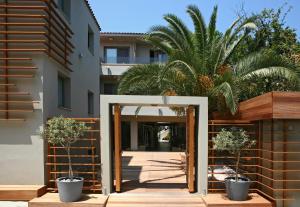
{"x": 92, "y": 13}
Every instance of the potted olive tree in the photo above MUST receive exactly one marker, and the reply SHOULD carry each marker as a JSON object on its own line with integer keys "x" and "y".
{"x": 234, "y": 141}
{"x": 65, "y": 132}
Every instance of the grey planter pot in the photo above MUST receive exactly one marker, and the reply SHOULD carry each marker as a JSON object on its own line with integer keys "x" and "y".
{"x": 69, "y": 191}
{"x": 237, "y": 191}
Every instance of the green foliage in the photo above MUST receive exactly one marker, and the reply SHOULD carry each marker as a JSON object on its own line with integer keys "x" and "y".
{"x": 63, "y": 131}
{"x": 233, "y": 140}
{"x": 201, "y": 63}
{"x": 272, "y": 33}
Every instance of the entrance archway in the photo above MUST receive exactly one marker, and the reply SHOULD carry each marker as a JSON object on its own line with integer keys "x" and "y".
{"x": 200, "y": 117}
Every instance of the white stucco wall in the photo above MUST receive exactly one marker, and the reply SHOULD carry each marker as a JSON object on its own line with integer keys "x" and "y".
{"x": 21, "y": 147}
{"x": 86, "y": 69}
{"x": 22, "y": 151}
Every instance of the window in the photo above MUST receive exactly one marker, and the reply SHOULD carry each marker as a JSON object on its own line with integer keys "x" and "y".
{"x": 64, "y": 92}
{"x": 65, "y": 7}
{"x": 90, "y": 102}
{"x": 116, "y": 54}
{"x": 110, "y": 88}
{"x": 90, "y": 40}
{"x": 157, "y": 56}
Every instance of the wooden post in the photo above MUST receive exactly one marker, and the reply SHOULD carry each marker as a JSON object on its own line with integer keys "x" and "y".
{"x": 118, "y": 156}
{"x": 191, "y": 148}
{"x": 6, "y": 61}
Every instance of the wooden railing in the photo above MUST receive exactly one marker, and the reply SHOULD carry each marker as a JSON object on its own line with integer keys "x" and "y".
{"x": 85, "y": 156}
{"x": 273, "y": 165}
{"x": 26, "y": 28}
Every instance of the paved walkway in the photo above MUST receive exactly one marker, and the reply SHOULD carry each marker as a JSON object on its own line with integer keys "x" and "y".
{"x": 152, "y": 172}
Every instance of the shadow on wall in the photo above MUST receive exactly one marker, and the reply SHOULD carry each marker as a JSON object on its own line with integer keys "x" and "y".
{"x": 21, "y": 132}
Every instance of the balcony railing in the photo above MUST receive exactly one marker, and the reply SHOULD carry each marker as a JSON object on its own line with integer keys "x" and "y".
{"x": 133, "y": 60}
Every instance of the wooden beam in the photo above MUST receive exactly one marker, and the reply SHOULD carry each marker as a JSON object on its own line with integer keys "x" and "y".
{"x": 118, "y": 146}
{"x": 191, "y": 147}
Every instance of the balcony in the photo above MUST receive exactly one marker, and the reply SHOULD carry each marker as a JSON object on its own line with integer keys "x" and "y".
{"x": 133, "y": 60}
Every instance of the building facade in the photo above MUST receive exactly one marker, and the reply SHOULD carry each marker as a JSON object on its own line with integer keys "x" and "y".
{"x": 119, "y": 52}
{"x": 49, "y": 66}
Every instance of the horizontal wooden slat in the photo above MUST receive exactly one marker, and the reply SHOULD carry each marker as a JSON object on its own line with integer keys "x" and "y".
{"x": 12, "y": 120}
{"x": 17, "y": 76}
{"x": 16, "y": 110}
{"x": 74, "y": 164}
{"x": 15, "y": 93}
{"x": 11, "y": 67}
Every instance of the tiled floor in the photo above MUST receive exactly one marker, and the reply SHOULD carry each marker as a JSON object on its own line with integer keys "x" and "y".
{"x": 152, "y": 172}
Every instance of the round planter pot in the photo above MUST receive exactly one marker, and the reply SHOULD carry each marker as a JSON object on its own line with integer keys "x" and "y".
{"x": 237, "y": 191}
{"x": 69, "y": 190}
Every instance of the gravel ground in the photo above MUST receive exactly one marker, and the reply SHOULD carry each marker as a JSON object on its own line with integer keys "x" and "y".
{"x": 13, "y": 204}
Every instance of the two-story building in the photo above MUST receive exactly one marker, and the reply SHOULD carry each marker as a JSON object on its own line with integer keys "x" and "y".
{"x": 120, "y": 51}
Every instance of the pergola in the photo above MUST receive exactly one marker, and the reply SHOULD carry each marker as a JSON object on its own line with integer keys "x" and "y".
{"x": 197, "y": 134}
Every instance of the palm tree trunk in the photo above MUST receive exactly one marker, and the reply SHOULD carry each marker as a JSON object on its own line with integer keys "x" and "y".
{"x": 237, "y": 166}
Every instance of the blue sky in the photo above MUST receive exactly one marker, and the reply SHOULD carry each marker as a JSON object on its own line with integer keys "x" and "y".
{"x": 140, "y": 15}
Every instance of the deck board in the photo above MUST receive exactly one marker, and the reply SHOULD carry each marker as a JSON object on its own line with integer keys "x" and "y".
{"x": 221, "y": 200}
{"x": 21, "y": 192}
{"x": 52, "y": 200}
{"x": 155, "y": 200}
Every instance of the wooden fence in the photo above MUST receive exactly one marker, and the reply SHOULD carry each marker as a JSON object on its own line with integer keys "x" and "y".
{"x": 273, "y": 165}
{"x": 85, "y": 155}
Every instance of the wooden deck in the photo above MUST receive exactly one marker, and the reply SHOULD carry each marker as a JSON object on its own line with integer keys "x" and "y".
{"x": 52, "y": 200}
{"x": 155, "y": 200}
{"x": 166, "y": 199}
{"x": 21, "y": 192}
{"x": 221, "y": 200}
{"x": 144, "y": 172}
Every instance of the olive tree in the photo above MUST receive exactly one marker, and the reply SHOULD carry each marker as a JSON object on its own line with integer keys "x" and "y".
{"x": 233, "y": 141}
{"x": 65, "y": 132}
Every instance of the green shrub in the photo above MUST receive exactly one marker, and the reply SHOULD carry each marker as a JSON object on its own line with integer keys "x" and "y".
{"x": 233, "y": 141}
{"x": 65, "y": 132}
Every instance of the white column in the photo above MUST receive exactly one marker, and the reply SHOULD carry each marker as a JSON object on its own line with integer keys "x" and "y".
{"x": 133, "y": 135}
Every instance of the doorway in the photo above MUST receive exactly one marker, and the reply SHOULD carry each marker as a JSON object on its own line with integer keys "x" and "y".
{"x": 111, "y": 152}
{"x": 155, "y": 164}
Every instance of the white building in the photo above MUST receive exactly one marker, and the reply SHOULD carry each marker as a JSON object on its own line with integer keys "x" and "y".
{"x": 119, "y": 52}
{"x": 49, "y": 66}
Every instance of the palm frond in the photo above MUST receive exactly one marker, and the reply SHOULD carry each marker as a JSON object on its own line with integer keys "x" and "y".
{"x": 167, "y": 35}
{"x": 212, "y": 24}
{"x": 200, "y": 27}
{"x": 141, "y": 79}
{"x": 275, "y": 71}
{"x": 177, "y": 25}
{"x": 226, "y": 90}
{"x": 258, "y": 60}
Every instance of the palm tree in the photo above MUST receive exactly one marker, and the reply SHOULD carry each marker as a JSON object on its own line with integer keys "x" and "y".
{"x": 198, "y": 62}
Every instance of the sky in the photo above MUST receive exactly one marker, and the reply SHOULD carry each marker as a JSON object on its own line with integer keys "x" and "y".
{"x": 140, "y": 15}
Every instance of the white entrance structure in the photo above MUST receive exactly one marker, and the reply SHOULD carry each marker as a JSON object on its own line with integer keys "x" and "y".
{"x": 167, "y": 101}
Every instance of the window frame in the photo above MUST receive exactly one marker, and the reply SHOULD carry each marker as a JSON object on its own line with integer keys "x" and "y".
{"x": 63, "y": 91}
{"x": 91, "y": 40}
{"x": 91, "y": 104}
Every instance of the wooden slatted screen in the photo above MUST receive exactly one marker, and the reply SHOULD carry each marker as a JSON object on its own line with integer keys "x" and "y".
{"x": 273, "y": 165}
{"x": 85, "y": 156}
{"x": 26, "y": 29}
